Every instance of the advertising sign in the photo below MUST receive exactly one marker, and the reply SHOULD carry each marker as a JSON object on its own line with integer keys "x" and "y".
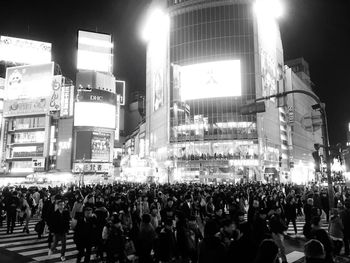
{"x": 95, "y": 51}
{"x": 38, "y": 164}
{"x": 210, "y": 80}
{"x": 91, "y": 167}
{"x": 95, "y": 108}
{"x": 120, "y": 90}
{"x": 96, "y": 96}
{"x": 28, "y": 82}
{"x": 67, "y": 94}
{"x": 19, "y": 50}
{"x": 25, "y": 107}
{"x": 100, "y": 146}
{"x": 55, "y": 96}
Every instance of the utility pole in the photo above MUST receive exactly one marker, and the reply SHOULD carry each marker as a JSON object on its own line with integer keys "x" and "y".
{"x": 321, "y": 107}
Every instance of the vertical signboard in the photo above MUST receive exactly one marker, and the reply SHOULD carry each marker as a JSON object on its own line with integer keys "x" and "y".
{"x": 120, "y": 90}
{"x": 55, "y": 97}
{"x": 67, "y": 100}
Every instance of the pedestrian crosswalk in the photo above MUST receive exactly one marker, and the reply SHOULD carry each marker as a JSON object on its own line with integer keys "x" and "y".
{"x": 300, "y": 225}
{"x": 28, "y": 245}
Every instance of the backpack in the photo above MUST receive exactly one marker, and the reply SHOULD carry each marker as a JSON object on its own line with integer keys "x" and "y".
{"x": 39, "y": 227}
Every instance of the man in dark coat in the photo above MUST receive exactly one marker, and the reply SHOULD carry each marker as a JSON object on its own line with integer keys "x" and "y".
{"x": 59, "y": 228}
{"x": 85, "y": 234}
{"x": 11, "y": 204}
{"x": 291, "y": 213}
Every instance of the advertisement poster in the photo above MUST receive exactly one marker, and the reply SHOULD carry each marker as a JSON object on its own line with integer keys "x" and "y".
{"x": 28, "y": 82}
{"x": 157, "y": 48}
{"x": 25, "y": 107}
{"x": 100, "y": 146}
{"x": 120, "y": 90}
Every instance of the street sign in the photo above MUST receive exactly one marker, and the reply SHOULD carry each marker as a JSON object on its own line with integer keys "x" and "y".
{"x": 312, "y": 121}
{"x": 253, "y": 108}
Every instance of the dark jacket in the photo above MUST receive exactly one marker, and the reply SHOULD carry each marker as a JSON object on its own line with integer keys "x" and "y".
{"x": 211, "y": 250}
{"x": 85, "y": 232}
{"x": 291, "y": 211}
{"x": 11, "y": 204}
{"x": 166, "y": 245}
{"x": 60, "y": 222}
{"x": 277, "y": 225}
{"x": 322, "y": 236}
{"x": 345, "y": 216}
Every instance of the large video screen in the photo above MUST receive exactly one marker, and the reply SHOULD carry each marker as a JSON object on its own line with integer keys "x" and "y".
{"x": 94, "y": 115}
{"x": 95, "y": 51}
{"x": 210, "y": 80}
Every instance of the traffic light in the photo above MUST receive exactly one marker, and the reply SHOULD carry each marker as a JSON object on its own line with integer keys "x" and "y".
{"x": 317, "y": 160}
{"x": 280, "y": 161}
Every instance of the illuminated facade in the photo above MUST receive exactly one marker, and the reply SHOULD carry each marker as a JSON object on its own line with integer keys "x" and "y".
{"x": 214, "y": 57}
{"x": 31, "y": 118}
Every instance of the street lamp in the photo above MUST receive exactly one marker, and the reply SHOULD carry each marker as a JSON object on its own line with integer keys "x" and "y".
{"x": 156, "y": 24}
{"x": 269, "y": 8}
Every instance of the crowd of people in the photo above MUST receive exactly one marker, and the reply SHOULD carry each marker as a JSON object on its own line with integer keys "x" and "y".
{"x": 182, "y": 222}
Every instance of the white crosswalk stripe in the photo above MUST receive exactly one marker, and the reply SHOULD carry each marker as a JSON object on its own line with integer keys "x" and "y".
{"x": 30, "y": 246}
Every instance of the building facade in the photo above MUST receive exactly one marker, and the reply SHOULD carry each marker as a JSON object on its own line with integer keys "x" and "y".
{"x": 304, "y": 123}
{"x": 215, "y": 57}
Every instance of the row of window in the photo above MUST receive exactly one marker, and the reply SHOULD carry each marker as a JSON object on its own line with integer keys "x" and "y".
{"x": 217, "y": 13}
{"x": 27, "y": 123}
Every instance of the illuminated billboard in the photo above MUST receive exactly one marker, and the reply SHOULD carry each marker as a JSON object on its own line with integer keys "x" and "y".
{"x": 100, "y": 146}
{"x": 94, "y": 115}
{"x": 18, "y": 50}
{"x": 95, "y": 108}
{"x": 28, "y": 82}
{"x": 95, "y": 51}
{"x": 210, "y": 80}
{"x": 28, "y": 89}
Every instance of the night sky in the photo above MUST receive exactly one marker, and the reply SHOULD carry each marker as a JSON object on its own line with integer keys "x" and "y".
{"x": 317, "y": 30}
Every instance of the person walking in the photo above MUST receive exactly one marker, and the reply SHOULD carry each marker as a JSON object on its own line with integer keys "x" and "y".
{"x": 321, "y": 235}
{"x": 11, "y": 206}
{"x": 146, "y": 238}
{"x": 59, "y": 228}
{"x": 25, "y": 213}
{"x": 335, "y": 230}
{"x": 85, "y": 233}
{"x": 291, "y": 214}
{"x": 277, "y": 226}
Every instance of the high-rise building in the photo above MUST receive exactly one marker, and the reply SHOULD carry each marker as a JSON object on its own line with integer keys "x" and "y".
{"x": 304, "y": 123}
{"x": 205, "y": 59}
